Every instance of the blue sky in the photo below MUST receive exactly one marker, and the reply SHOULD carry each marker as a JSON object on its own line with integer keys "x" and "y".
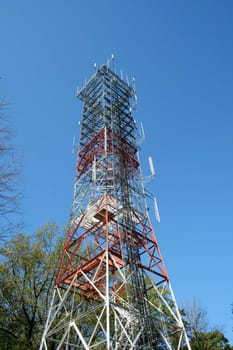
{"x": 181, "y": 53}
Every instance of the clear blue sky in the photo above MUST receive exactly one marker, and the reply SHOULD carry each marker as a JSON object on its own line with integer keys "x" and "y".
{"x": 182, "y": 55}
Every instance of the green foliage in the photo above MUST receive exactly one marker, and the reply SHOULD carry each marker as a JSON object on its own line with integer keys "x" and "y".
{"x": 214, "y": 340}
{"x": 27, "y": 273}
{"x": 196, "y": 324}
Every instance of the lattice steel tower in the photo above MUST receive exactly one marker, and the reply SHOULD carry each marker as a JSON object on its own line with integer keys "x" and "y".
{"x": 112, "y": 290}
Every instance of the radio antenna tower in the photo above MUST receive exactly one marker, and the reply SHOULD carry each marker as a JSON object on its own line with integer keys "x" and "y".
{"x": 112, "y": 291}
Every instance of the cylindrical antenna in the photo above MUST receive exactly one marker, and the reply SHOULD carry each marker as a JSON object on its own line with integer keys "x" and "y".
{"x": 142, "y": 131}
{"x": 151, "y": 164}
{"x": 157, "y": 216}
{"x": 127, "y": 79}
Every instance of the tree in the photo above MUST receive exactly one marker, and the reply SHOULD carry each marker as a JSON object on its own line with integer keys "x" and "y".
{"x": 27, "y": 274}
{"x": 9, "y": 171}
{"x": 195, "y": 318}
{"x": 201, "y": 338}
{"x": 214, "y": 340}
